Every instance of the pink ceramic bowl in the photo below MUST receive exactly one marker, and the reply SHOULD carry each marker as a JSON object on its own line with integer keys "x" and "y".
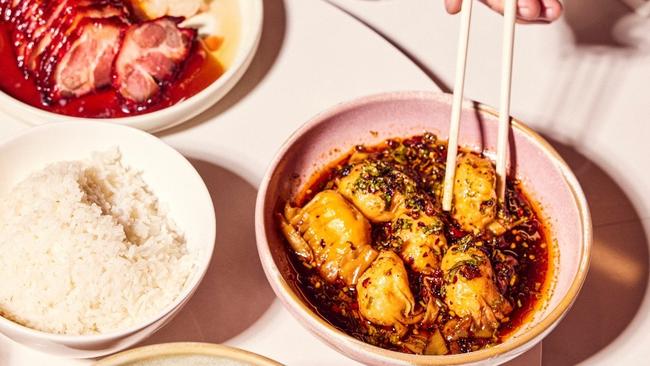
{"x": 373, "y": 119}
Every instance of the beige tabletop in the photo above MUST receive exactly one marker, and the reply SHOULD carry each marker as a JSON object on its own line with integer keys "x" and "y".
{"x": 574, "y": 81}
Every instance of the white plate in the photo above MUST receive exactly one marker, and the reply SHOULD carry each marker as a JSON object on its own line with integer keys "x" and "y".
{"x": 251, "y": 17}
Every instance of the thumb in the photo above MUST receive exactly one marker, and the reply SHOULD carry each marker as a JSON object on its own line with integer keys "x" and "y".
{"x": 453, "y": 6}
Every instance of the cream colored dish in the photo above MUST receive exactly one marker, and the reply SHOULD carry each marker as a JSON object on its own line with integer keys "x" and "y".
{"x": 186, "y": 354}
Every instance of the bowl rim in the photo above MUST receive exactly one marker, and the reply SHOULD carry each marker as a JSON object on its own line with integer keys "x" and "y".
{"x": 202, "y": 263}
{"x": 177, "y": 348}
{"x": 327, "y": 332}
{"x": 149, "y": 121}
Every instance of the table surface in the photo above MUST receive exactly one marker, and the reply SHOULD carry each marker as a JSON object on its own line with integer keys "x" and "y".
{"x": 573, "y": 81}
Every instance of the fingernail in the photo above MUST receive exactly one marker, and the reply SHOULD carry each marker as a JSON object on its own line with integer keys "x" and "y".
{"x": 549, "y": 13}
{"x": 526, "y": 12}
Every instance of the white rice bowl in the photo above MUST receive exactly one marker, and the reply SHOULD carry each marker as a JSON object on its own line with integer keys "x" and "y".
{"x": 87, "y": 249}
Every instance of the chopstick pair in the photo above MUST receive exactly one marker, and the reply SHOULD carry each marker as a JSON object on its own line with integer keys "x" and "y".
{"x": 509, "y": 15}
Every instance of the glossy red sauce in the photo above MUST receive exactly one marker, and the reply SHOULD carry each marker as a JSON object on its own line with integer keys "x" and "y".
{"x": 527, "y": 241}
{"x": 199, "y": 71}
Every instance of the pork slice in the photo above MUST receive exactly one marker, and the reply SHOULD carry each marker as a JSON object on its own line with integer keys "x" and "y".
{"x": 150, "y": 56}
{"x": 44, "y": 33}
{"x": 7, "y": 7}
{"x": 18, "y": 10}
{"x": 55, "y": 38}
{"x": 32, "y": 17}
{"x": 87, "y": 65}
{"x": 25, "y": 23}
{"x": 72, "y": 27}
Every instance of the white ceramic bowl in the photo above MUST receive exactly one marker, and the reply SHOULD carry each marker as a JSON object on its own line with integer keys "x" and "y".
{"x": 170, "y": 176}
{"x": 251, "y": 13}
{"x": 185, "y": 354}
{"x": 374, "y": 119}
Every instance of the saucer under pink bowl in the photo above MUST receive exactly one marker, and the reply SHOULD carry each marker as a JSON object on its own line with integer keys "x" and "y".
{"x": 373, "y": 119}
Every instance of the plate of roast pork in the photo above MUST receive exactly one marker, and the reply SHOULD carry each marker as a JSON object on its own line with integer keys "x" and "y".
{"x": 150, "y": 64}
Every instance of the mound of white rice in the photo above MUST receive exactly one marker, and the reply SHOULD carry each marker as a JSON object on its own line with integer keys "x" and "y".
{"x": 86, "y": 248}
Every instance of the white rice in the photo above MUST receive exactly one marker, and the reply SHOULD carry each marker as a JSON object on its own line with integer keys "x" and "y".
{"x": 86, "y": 249}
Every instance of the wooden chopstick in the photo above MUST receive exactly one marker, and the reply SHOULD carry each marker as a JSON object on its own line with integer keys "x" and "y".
{"x": 510, "y": 14}
{"x": 509, "y": 17}
{"x": 459, "y": 84}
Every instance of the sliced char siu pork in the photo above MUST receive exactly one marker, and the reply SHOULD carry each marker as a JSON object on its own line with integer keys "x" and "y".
{"x": 58, "y": 20}
{"x": 26, "y": 18}
{"x": 150, "y": 56}
{"x": 61, "y": 20}
{"x": 71, "y": 47}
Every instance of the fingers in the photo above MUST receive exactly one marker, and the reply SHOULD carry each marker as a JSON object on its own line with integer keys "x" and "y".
{"x": 453, "y": 6}
{"x": 551, "y": 10}
{"x": 528, "y": 11}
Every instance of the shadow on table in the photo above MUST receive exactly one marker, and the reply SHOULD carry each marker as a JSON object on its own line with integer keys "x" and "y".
{"x": 593, "y": 21}
{"x": 607, "y": 24}
{"x": 234, "y": 292}
{"x": 618, "y": 276}
{"x": 273, "y": 34}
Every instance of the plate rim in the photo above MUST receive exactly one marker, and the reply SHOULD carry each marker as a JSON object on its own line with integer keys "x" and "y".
{"x": 146, "y": 353}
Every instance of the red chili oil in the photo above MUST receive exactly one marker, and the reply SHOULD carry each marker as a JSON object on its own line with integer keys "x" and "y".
{"x": 198, "y": 72}
{"x": 527, "y": 242}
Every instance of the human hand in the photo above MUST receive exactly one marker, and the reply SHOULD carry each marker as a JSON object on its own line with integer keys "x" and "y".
{"x": 527, "y": 10}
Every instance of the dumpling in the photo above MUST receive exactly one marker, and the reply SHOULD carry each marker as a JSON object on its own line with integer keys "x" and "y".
{"x": 384, "y": 295}
{"x": 376, "y": 189}
{"x": 330, "y": 234}
{"x": 475, "y": 197}
{"x": 422, "y": 241}
{"x": 470, "y": 290}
